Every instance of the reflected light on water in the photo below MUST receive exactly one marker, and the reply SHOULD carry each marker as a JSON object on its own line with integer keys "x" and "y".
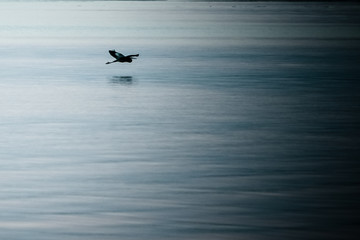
{"x": 197, "y": 139}
{"x": 122, "y": 80}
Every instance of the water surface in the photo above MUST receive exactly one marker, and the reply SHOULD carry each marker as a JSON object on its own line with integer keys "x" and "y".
{"x": 237, "y": 121}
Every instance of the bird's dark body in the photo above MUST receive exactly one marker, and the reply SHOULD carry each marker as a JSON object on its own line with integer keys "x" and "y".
{"x": 121, "y": 58}
{"x": 125, "y": 59}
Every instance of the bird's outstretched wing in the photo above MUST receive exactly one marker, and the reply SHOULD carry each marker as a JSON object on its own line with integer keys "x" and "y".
{"x": 116, "y": 54}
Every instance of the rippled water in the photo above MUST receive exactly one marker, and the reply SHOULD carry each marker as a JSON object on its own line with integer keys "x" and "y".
{"x": 237, "y": 121}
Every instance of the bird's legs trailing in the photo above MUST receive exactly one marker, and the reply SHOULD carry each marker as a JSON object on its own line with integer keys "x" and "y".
{"x": 132, "y": 56}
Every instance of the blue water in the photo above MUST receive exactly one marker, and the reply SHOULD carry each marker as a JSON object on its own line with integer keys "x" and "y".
{"x": 237, "y": 121}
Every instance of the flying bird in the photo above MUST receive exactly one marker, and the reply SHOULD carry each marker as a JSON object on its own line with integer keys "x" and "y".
{"x": 121, "y": 58}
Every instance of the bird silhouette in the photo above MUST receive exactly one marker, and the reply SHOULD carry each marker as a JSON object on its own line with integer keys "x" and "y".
{"x": 121, "y": 58}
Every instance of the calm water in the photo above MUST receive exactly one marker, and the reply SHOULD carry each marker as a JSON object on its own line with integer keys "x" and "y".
{"x": 238, "y": 121}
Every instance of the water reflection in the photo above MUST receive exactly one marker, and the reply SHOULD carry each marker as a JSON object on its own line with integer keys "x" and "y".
{"x": 122, "y": 80}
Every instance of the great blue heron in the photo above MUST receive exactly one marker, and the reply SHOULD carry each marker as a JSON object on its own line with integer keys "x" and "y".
{"x": 121, "y": 58}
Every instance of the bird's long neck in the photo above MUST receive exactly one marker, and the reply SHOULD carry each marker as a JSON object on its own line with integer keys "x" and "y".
{"x": 112, "y": 61}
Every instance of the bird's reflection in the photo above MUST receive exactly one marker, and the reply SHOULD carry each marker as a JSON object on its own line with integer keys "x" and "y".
{"x": 122, "y": 80}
